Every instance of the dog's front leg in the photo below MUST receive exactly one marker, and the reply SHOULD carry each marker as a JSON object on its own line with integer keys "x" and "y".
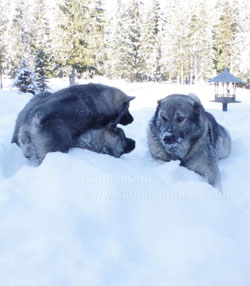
{"x": 206, "y": 167}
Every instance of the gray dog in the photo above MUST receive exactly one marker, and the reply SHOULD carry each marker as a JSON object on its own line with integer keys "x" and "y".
{"x": 53, "y": 122}
{"x": 110, "y": 140}
{"x": 182, "y": 130}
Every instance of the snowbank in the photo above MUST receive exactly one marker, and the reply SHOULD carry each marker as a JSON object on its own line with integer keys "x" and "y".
{"x": 88, "y": 219}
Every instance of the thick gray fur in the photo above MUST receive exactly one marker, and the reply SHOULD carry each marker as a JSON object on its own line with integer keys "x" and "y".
{"x": 182, "y": 130}
{"x": 53, "y": 122}
{"x": 108, "y": 140}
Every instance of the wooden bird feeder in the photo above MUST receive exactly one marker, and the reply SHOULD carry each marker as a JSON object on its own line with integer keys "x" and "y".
{"x": 225, "y": 88}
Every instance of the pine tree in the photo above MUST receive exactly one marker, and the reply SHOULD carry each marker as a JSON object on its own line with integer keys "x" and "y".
{"x": 79, "y": 36}
{"x": 113, "y": 66}
{"x": 96, "y": 43}
{"x": 240, "y": 65}
{"x": 224, "y": 35}
{"x": 128, "y": 58}
{"x": 3, "y": 44}
{"x": 41, "y": 28}
{"x": 41, "y": 31}
{"x": 24, "y": 80}
{"x": 152, "y": 42}
{"x": 41, "y": 70}
{"x": 176, "y": 44}
{"x": 19, "y": 35}
{"x": 41, "y": 45}
{"x": 200, "y": 43}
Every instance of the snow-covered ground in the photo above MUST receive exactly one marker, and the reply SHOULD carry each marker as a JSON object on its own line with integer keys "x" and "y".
{"x": 88, "y": 219}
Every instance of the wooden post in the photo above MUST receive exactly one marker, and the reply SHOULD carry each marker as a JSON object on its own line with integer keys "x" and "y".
{"x": 234, "y": 90}
{"x": 224, "y": 106}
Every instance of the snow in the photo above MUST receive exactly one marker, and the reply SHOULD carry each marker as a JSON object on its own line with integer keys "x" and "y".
{"x": 88, "y": 219}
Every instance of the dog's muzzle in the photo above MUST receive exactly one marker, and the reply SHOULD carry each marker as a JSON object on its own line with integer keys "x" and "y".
{"x": 169, "y": 138}
{"x": 123, "y": 118}
{"x": 130, "y": 145}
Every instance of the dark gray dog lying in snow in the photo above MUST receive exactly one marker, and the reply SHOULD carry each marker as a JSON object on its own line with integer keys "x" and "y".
{"x": 82, "y": 116}
{"x": 182, "y": 130}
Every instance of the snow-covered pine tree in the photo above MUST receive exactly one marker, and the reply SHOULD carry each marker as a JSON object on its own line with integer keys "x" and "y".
{"x": 152, "y": 42}
{"x": 41, "y": 69}
{"x": 41, "y": 29}
{"x": 224, "y": 34}
{"x": 96, "y": 43}
{"x": 24, "y": 80}
{"x": 3, "y": 44}
{"x": 41, "y": 32}
{"x": 77, "y": 36}
{"x": 241, "y": 45}
{"x": 176, "y": 53}
{"x": 18, "y": 35}
{"x": 113, "y": 42}
{"x": 200, "y": 43}
{"x": 41, "y": 44}
{"x": 128, "y": 60}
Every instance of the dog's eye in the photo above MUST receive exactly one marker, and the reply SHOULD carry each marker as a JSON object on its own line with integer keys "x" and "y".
{"x": 180, "y": 119}
{"x": 164, "y": 118}
{"x": 126, "y": 104}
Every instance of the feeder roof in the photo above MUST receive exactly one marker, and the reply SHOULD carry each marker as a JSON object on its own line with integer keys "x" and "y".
{"x": 226, "y": 76}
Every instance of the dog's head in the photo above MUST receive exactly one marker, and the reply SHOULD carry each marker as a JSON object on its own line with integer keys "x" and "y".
{"x": 116, "y": 103}
{"x": 122, "y": 101}
{"x": 115, "y": 142}
{"x": 178, "y": 123}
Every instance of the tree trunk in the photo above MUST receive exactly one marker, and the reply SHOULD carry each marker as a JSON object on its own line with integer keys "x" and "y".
{"x": 72, "y": 76}
{"x": 195, "y": 68}
{"x": 191, "y": 71}
{"x": 182, "y": 74}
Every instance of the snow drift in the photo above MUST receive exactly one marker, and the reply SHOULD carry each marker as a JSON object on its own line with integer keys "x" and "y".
{"x": 88, "y": 219}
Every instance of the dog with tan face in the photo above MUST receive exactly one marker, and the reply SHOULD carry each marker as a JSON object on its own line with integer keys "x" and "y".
{"x": 182, "y": 130}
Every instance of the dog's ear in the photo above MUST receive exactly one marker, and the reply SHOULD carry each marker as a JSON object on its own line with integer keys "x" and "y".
{"x": 131, "y": 98}
{"x": 159, "y": 101}
{"x": 198, "y": 108}
{"x": 128, "y": 98}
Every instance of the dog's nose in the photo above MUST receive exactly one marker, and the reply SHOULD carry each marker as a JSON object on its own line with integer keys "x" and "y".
{"x": 126, "y": 119}
{"x": 130, "y": 145}
{"x": 27, "y": 156}
{"x": 169, "y": 139}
